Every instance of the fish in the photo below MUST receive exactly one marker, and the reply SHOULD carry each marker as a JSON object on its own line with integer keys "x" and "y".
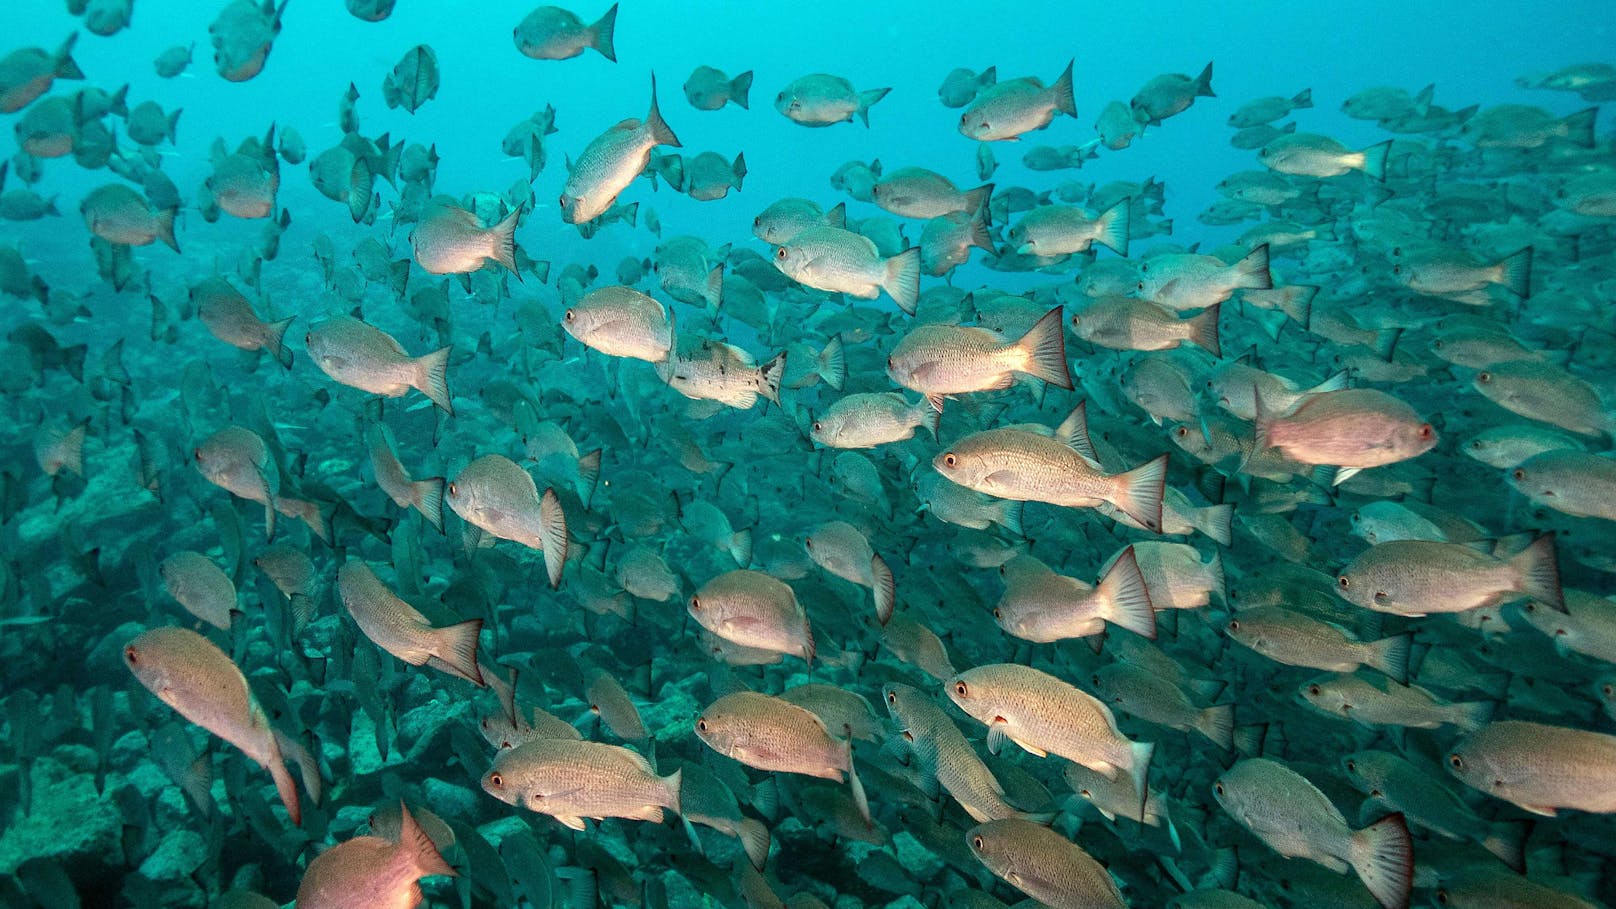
{"x": 610, "y": 162}
{"x": 359, "y": 355}
{"x": 553, "y": 33}
{"x": 1350, "y": 429}
{"x": 1537, "y": 767}
{"x": 622, "y": 322}
{"x": 1298, "y": 639}
{"x": 1569, "y": 481}
{"x": 769, "y": 733}
{"x": 821, "y": 99}
{"x": 753, "y": 610}
{"x": 414, "y": 79}
{"x": 961, "y": 85}
{"x": 1264, "y": 110}
{"x": 1043, "y": 864}
{"x": 425, "y": 495}
{"x": 1422, "y": 577}
{"x": 1005, "y": 111}
{"x": 1170, "y": 94}
{"x": 118, "y": 214}
{"x": 785, "y": 218}
{"x": 202, "y": 587}
{"x": 1392, "y": 781}
{"x": 243, "y": 34}
{"x": 398, "y": 628}
{"x": 1117, "y": 126}
{"x": 1288, "y": 813}
{"x": 497, "y": 496}
{"x": 373, "y": 868}
{"x": 915, "y": 192}
{"x": 1312, "y": 155}
{"x": 1129, "y": 323}
{"x": 841, "y": 261}
{"x": 29, "y": 72}
{"x": 573, "y": 780}
{"x": 940, "y": 361}
{"x": 188, "y": 673}
{"x": 449, "y": 240}
{"x": 872, "y": 419}
{"x": 709, "y": 89}
{"x": 844, "y": 551}
{"x": 1041, "y": 606}
{"x": 1061, "y": 230}
{"x": 229, "y": 316}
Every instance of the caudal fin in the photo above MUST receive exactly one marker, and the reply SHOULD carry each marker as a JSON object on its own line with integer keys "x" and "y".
{"x": 1204, "y": 331}
{"x": 661, "y": 133}
{"x": 1140, "y": 771}
{"x": 867, "y": 100}
{"x": 1579, "y": 127}
{"x": 832, "y": 367}
{"x": 1383, "y": 857}
{"x": 1252, "y": 271}
{"x": 424, "y": 855}
{"x": 275, "y": 340}
{"x": 978, "y": 199}
{"x": 1125, "y": 598}
{"x": 286, "y": 788}
{"x": 753, "y": 835}
{"x": 1374, "y": 159}
{"x": 502, "y": 242}
{"x": 432, "y": 378}
{"x": 165, "y": 228}
{"x": 902, "y": 281}
{"x": 1045, "y": 348}
{"x": 1539, "y": 573}
{"x": 1061, "y": 92}
{"x": 66, "y": 67}
{"x": 1138, "y": 493}
{"x": 739, "y": 88}
{"x": 1217, "y": 724}
{"x": 769, "y": 375}
{"x": 1516, "y": 273}
{"x": 601, "y": 34}
{"x": 1303, "y": 98}
{"x": 456, "y": 652}
{"x": 553, "y": 526}
{"x": 1217, "y": 522}
{"x": 1203, "y": 83}
{"x": 1390, "y": 655}
{"x": 428, "y": 496}
{"x": 886, "y": 592}
{"x": 1113, "y": 228}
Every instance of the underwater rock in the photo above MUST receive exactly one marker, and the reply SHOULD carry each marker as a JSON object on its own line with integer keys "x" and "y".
{"x": 67, "y": 820}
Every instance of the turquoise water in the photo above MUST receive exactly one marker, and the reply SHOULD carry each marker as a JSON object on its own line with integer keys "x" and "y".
{"x": 1483, "y": 241}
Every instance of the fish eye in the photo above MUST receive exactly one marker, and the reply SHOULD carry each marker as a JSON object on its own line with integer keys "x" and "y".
{"x": 1140, "y": 285}
{"x": 701, "y": 724}
{"x": 197, "y": 453}
{"x": 817, "y": 426}
{"x": 1313, "y": 690}
{"x": 1397, "y": 269}
{"x": 949, "y": 460}
{"x": 454, "y": 489}
{"x": 1234, "y": 624}
{"x": 996, "y": 613}
{"x": 130, "y": 654}
{"x": 1442, "y": 897}
{"x": 961, "y": 689}
{"x": 1425, "y": 431}
{"x": 758, "y": 221}
{"x": 1352, "y": 766}
{"x": 780, "y": 254}
{"x": 1086, "y": 793}
{"x": 1182, "y": 432}
{"x": 1437, "y": 344}
{"x": 1074, "y": 318}
{"x": 1456, "y": 762}
{"x": 562, "y": 201}
{"x": 1344, "y": 581}
{"x": 1608, "y": 690}
{"x": 1519, "y": 474}
{"x": 1217, "y": 788}
{"x": 1484, "y": 378}
{"x": 496, "y": 780}
{"x": 569, "y": 316}
{"x": 976, "y": 841}
{"x": 808, "y": 542}
{"x": 892, "y": 697}
{"x": 695, "y": 603}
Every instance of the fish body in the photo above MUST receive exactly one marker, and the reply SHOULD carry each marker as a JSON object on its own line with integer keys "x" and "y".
{"x": 494, "y": 494}
{"x": 610, "y": 162}
{"x": 362, "y": 356}
{"x": 398, "y": 628}
{"x": 571, "y": 780}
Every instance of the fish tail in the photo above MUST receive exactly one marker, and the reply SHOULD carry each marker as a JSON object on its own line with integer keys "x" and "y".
{"x": 1204, "y": 331}
{"x": 739, "y": 88}
{"x": 926, "y": 415}
{"x": 1579, "y": 127}
{"x": 1140, "y": 752}
{"x": 837, "y": 216}
{"x": 861, "y": 800}
{"x": 307, "y": 767}
{"x": 600, "y": 34}
{"x": 740, "y": 547}
{"x": 1061, "y": 92}
{"x": 739, "y": 168}
{"x": 66, "y": 66}
{"x": 1113, "y": 228}
{"x": 1516, "y": 272}
{"x": 1374, "y": 159}
{"x": 553, "y": 528}
{"x": 285, "y": 786}
{"x": 1217, "y": 723}
{"x": 275, "y": 340}
{"x": 1217, "y": 522}
{"x": 977, "y": 199}
{"x": 457, "y": 650}
{"x": 1303, "y": 98}
{"x": 502, "y": 240}
{"x": 1125, "y": 597}
{"x": 1539, "y": 573}
{"x": 1298, "y": 305}
{"x": 1472, "y": 715}
{"x": 1138, "y": 493}
{"x": 769, "y": 375}
{"x": 979, "y": 235}
{"x": 1203, "y": 83}
{"x": 1010, "y": 517}
{"x": 165, "y": 228}
{"x": 174, "y": 126}
{"x": 1507, "y": 841}
{"x": 902, "y": 280}
{"x": 754, "y": 836}
{"x": 833, "y": 363}
{"x": 713, "y": 289}
{"x": 588, "y": 475}
{"x": 661, "y": 133}
{"x": 423, "y": 853}
{"x": 1383, "y": 857}
{"x": 428, "y": 496}
{"x": 1252, "y": 271}
{"x": 1044, "y": 346}
{"x": 433, "y": 378}
{"x": 885, "y": 590}
{"x": 1390, "y": 655}
{"x": 867, "y": 99}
